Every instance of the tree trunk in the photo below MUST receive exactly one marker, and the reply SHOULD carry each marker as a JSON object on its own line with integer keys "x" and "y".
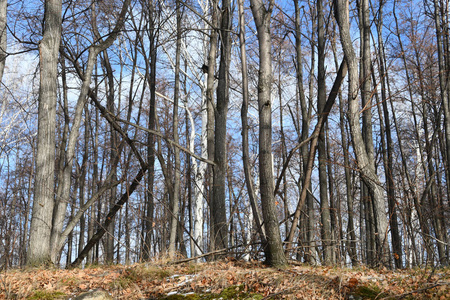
{"x": 210, "y": 87}
{"x": 274, "y": 250}
{"x": 440, "y": 17}
{"x": 176, "y": 181}
{"x": 151, "y": 78}
{"x": 82, "y": 184}
{"x": 218, "y": 209}
{"x": 113, "y": 154}
{"x": 395, "y": 235}
{"x": 306, "y": 118}
{"x": 39, "y": 251}
{"x": 366, "y": 168}
{"x": 244, "y": 119}
{"x": 3, "y": 37}
{"x": 63, "y": 191}
{"x": 321, "y": 99}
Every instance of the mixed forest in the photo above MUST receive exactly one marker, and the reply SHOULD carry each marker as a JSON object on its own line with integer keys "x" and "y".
{"x": 263, "y": 130}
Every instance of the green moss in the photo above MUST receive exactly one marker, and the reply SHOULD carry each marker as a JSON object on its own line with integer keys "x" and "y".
{"x": 229, "y": 293}
{"x": 48, "y": 295}
{"x": 369, "y": 292}
{"x": 135, "y": 275}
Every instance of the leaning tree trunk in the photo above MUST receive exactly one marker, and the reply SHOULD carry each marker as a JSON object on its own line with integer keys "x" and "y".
{"x": 58, "y": 236}
{"x": 365, "y": 167}
{"x": 41, "y": 220}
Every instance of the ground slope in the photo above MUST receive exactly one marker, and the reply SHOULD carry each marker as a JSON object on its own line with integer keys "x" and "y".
{"x": 226, "y": 280}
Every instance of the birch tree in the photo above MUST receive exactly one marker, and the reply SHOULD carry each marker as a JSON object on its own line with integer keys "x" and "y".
{"x": 3, "y": 54}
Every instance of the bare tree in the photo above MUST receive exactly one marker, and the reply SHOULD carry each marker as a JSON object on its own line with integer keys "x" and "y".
{"x": 176, "y": 181}
{"x": 41, "y": 222}
{"x": 262, "y": 14}
{"x": 366, "y": 168}
{"x": 3, "y": 36}
{"x": 217, "y": 202}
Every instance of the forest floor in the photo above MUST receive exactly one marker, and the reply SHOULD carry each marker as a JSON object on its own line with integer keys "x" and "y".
{"x": 226, "y": 280}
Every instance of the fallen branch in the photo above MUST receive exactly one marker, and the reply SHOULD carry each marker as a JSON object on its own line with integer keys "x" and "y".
{"x": 197, "y": 257}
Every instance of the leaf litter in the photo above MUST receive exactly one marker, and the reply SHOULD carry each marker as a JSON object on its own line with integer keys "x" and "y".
{"x": 251, "y": 280}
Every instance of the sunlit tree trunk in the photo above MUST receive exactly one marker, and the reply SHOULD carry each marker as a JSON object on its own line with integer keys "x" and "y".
{"x": 308, "y": 227}
{"x": 210, "y": 88}
{"x": 366, "y": 168}
{"x": 389, "y": 165}
{"x": 39, "y": 251}
{"x": 63, "y": 191}
{"x": 3, "y": 37}
{"x": 217, "y": 203}
{"x": 274, "y": 250}
{"x": 244, "y": 119}
{"x": 321, "y": 99}
{"x": 176, "y": 181}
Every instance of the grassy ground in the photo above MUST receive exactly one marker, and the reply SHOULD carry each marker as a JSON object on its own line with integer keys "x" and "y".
{"x": 226, "y": 280}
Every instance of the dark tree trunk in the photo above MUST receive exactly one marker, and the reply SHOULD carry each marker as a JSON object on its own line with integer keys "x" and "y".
{"x": 274, "y": 250}
{"x": 218, "y": 208}
{"x": 321, "y": 99}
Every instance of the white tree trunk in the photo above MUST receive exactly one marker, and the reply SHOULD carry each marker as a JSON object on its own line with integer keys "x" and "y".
{"x": 198, "y": 181}
{"x": 248, "y": 229}
{"x": 3, "y": 10}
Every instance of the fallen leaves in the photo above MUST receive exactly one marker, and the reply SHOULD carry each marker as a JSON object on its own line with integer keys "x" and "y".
{"x": 297, "y": 282}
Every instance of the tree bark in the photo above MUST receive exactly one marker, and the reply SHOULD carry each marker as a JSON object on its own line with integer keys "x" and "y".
{"x": 64, "y": 183}
{"x": 217, "y": 203}
{"x": 366, "y": 168}
{"x": 210, "y": 88}
{"x": 321, "y": 99}
{"x": 244, "y": 119}
{"x": 39, "y": 251}
{"x": 3, "y": 36}
{"x": 306, "y": 119}
{"x": 118, "y": 205}
{"x": 441, "y": 30}
{"x": 389, "y": 165}
{"x": 176, "y": 180}
{"x": 274, "y": 250}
